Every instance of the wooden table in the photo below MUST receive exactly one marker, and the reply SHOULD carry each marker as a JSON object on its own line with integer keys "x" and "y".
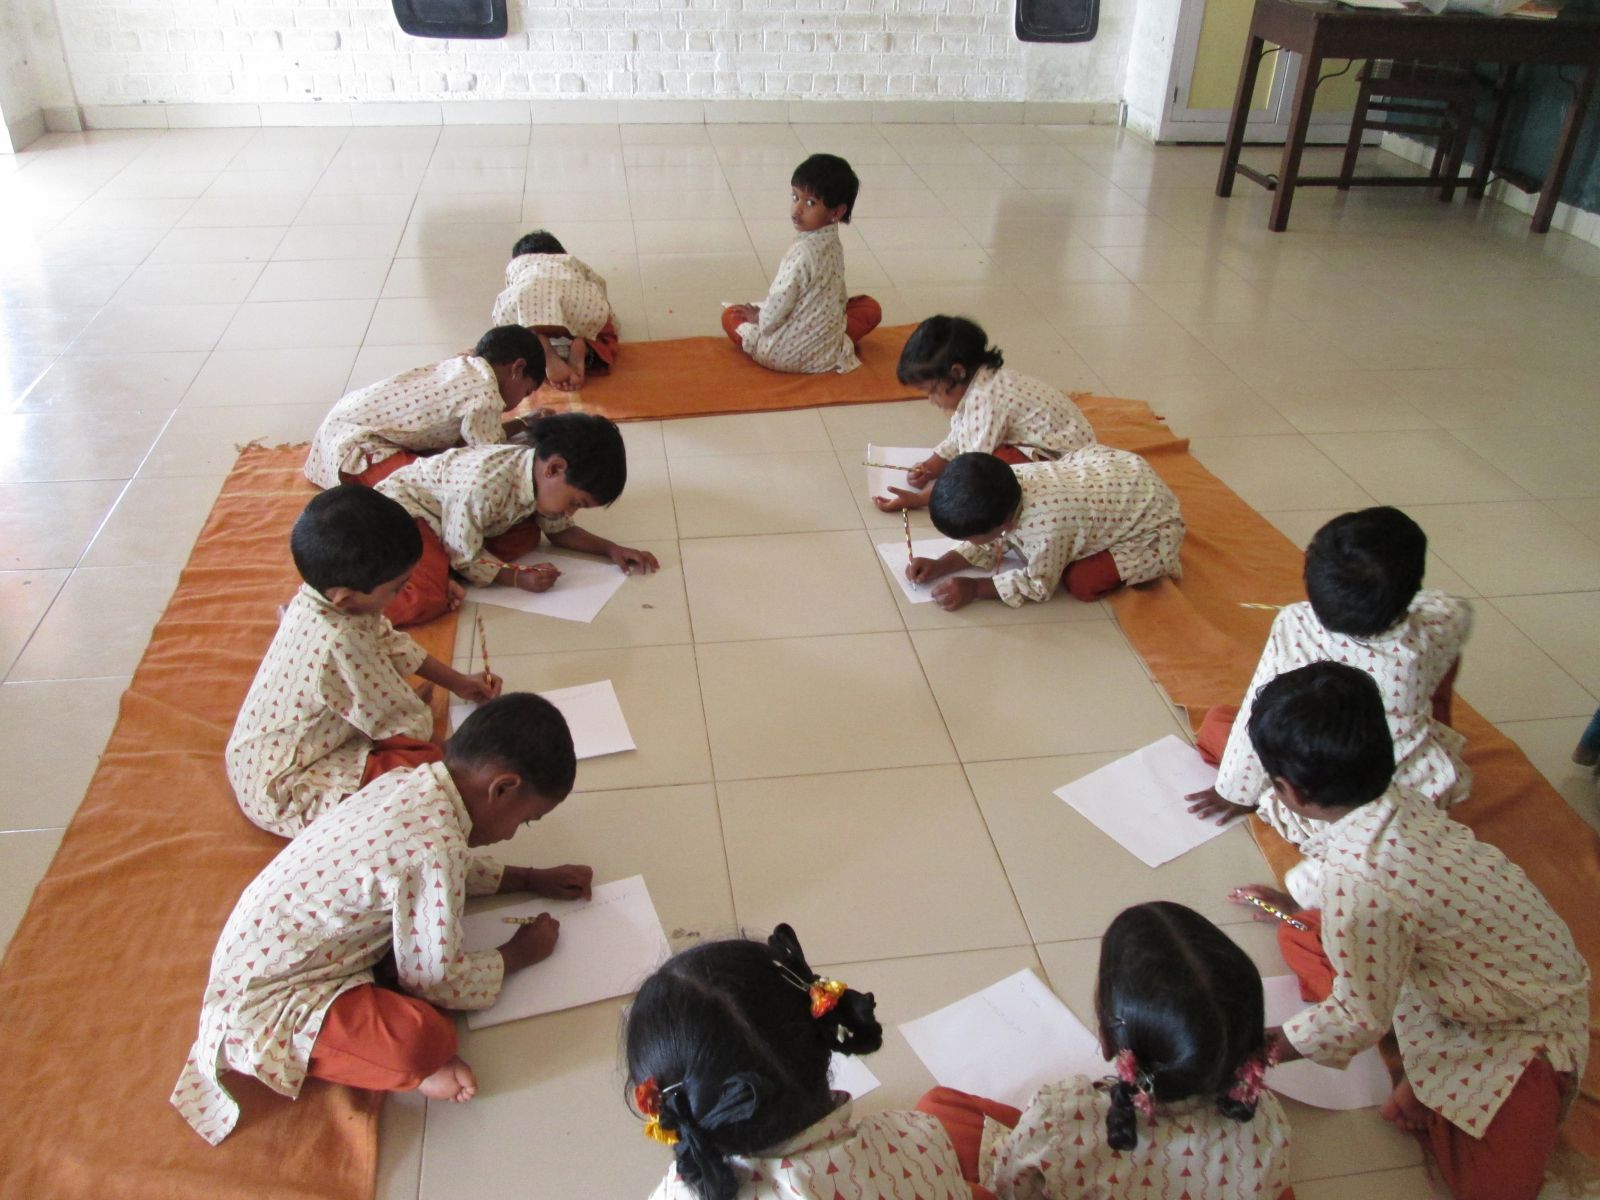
{"x": 1319, "y": 30}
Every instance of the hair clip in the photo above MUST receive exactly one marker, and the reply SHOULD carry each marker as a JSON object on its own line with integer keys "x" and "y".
{"x": 647, "y": 1099}
{"x": 1130, "y": 1073}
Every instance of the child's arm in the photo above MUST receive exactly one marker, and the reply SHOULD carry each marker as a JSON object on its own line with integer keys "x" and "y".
{"x": 584, "y": 542}
{"x": 961, "y": 591}
{"x": 476, "y": 688}
{"x": 568, "y": 882}
{"x": 926, "y": 570}
{"x": 928, "y": 470}
{"x": 902, "y": 498}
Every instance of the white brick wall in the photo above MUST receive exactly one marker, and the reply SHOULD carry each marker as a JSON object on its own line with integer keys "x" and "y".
{"x": 256, "y": 51}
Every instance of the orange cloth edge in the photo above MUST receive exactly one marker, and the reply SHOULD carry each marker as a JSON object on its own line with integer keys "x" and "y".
{"x": 100, "y": 987}
{"x": 1202, "y": 646}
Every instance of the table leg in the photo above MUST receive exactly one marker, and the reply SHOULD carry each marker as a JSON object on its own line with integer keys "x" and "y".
{"x": 1241, "y": 113}
{"x": 1570, "y": 128}
{"x": 1490, "y": 145}
{"x": 1305, "y": 95}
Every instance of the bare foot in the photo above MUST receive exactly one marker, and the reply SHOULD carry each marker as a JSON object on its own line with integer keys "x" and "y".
{"x": 1403, "y": 1110}
{"x": 455, "y": 595}
{"x": 454, "y": 1082}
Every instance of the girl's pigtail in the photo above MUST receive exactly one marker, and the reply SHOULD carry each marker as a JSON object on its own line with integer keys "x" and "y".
{"x": 1239, "y": 1101}
{"x": 845, "y": 1018}
{"x": 701, "y": 1164}
{"x": 1132, "y": 1095}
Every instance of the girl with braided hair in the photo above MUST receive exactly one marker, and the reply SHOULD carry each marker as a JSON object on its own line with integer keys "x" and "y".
{"x": 728, "y": 1046}
{"x": 1180, "y": 1013}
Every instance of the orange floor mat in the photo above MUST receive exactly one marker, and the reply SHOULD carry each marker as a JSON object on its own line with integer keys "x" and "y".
{"x": 703, "y": 376}
{"x": 100, "y": 988}
{"x": 1201, "y": 641}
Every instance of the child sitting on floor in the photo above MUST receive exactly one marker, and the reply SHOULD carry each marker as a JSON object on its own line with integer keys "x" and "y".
{"x": 728, "y": 1049}
{"x": 462, "y": 400}
{"x": 294, "y": 989}
{"x": 1180, "y": 1013}
{"x": 1367, "y": 607}
{"x": 993, "y": 411}
{"x": 330, "y": 708}
{"x": 1095, "y": 519}
{"x": 807, "y": 324}
{"x": 481, "y": 508}
{"x": 1409, "y": 920}
{"x": 563, "y": 300}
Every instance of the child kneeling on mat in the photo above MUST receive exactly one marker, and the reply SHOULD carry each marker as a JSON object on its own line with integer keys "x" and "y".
{"x": 562, "y": 300}
{"x": 330, "y": 708}
{"x": 1095, "y": 519}
{"x": 295, "y": 989}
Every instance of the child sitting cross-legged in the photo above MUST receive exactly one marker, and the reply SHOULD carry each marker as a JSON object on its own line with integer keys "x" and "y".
{"x": 808, "y": 324}
{"x": 1179, "y": 1007}
{"x": 563, "y": 300}
{"x": 330, "y": 708}
{"x": 461, "y": 401}
{"x": 1094, "y": 519}
{"x": 481, "y": 508}
{"x": 1408, "y": 920}
{"x": 992, "y": 410}
{"x": 728, "y": 1046}
{"x": 302, "y": 982}
{"x": 1366, "y": 607}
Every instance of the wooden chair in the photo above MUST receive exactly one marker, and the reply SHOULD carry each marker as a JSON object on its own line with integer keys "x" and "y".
{"x": 1434, "y": 100}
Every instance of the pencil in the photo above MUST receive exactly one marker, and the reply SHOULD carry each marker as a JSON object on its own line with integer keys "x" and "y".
{"x": 905, "y": 514}
{"x": 483, "y": 644}
{"x": 888, "y": 466}
{"x": 522, "y": 920}
{"x": 1273, "y": 910}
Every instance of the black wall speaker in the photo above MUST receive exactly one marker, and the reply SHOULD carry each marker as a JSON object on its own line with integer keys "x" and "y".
{"x": 1055, "y": 20}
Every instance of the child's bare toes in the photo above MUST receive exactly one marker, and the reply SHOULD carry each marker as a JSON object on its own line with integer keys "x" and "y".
{"x": 454, "y": 1082}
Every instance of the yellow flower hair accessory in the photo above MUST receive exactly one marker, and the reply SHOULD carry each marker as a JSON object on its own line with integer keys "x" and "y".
{"x": 647, "y": 1099}
{"x": 825, "y": 995}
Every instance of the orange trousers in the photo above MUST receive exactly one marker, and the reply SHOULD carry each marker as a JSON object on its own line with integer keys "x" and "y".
{"x": 862, "y": 314}
{"x": 381, "y": 1040}
{"x": 426, "y": 594}
{"x": 1091, "y": 578}
{"x": 398, "y": 754}
{"x": 379, "y": 471}
{"x": 962, "y": 1114}
{"x": 1508, "y": 1161}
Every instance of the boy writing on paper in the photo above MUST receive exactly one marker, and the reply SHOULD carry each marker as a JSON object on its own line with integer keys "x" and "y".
{"x": 295, "y": 988}
{"x": 460, "y": 401}
{"x": 481, "y": 508}
{"x": 1094, "y": 520}
{"x": 563, "y": 301}
{"x": 1409, "y": 920}
{"x": 1367, "y": 607}
{"x": 808, "y": 324}
{"x": 330, "y": 708}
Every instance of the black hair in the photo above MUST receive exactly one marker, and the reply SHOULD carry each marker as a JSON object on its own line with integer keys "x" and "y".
{"x": 353, "y": 537}
{"x": 506, "y": 343}
{"x": 725, "y": 1031}
{"x": 1186, "y": 1000}
{"x": 940, "y": 343}
{"x": 830, "y": 179}
{"x": 597, "y": 459}
{"x": 1364, "y": 568}
{"x": 524, "y": 733}
{"x": 540, "y": 241}
{"x": 1322, "y": 727}
{"x": 976, "y": 493}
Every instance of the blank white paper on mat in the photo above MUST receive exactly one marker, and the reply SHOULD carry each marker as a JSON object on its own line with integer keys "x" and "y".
{"x": 593, "y": 713}
{"x": 1139, "y": 801}
{"x": 1005, "y": 1042}
{"x": 894, "y": 557}
{"x": 608, "y": 945}
{"x": 879, "y": 481}
{"x": 586, "y": 584}
{"x": 1363, "y": 1084}
{"x": 849, "y": 1074}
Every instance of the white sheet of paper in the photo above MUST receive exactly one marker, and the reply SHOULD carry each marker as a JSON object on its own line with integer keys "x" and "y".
{"x": 894, "y": 557}
{"x": 586, "y": 584}
{"x": 1139, "y": 800}
{"x": 608, "y": 945}
{"x": 593, "y": 713}
{"x": 879, "y": 480}
{"x": 849, "y": 1074}
{"x": 1363, "y": 1084}
{"x": 1006, "y": 1041}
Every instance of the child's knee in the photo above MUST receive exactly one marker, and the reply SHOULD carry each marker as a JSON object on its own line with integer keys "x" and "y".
{"x": 730, "y": 326}
{"x": 1091, "y": 578}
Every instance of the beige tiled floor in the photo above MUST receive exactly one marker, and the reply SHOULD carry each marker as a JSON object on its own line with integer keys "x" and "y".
{"x": 811, "y": 747}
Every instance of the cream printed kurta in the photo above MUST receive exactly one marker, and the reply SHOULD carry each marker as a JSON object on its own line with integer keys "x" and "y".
{"x": 1408, "y": 662}
{"x": 330, "y": 685}
{"x": 1442, "y": 936}
{"x": 802, "y": 323}
{"x": 887, "y": 1156}
{"x": 1059, "y": 1149}
{"x": 1005, "y": 408}
{"x": 553, "y": 290}
{"x": 389, "y": 869}
{"x": 468, "y": 495}
{"x": 1093, "y": 499}
{"x": 451, "y": 403}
